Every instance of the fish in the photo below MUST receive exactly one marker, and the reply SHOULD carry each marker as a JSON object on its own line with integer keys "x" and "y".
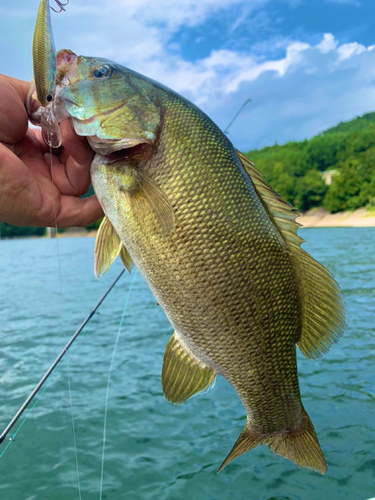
{"x": 217, "y": 245}
{"x": 43, "y": 86}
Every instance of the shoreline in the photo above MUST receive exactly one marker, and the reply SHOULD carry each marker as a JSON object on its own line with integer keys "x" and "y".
{"x": 320, "y": 217}
{"x": 316, "y": 217}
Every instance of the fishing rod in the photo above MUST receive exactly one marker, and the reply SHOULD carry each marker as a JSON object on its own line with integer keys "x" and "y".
{"x": 55, "y": 363}
{"x": 236, "y": 115}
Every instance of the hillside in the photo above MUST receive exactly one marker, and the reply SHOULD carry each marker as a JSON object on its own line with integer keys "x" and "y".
{"x": 296, "y": 169}
{"x": 344, "y": 155}
{"x": 358, "y": 124}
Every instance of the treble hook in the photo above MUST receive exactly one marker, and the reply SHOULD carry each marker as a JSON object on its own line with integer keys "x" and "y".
{"x": 61, "y": 5}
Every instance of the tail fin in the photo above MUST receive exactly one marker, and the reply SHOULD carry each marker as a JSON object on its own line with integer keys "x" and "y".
{"x": 302, "y": 448}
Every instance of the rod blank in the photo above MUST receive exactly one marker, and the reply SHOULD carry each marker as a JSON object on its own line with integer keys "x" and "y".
{"x": 55, "y": 363}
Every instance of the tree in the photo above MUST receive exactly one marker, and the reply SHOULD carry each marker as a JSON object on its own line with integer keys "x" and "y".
{"x": 310, "y": 190}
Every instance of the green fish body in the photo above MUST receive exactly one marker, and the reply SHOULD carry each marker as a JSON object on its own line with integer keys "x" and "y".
{"x": 217, "y": 246}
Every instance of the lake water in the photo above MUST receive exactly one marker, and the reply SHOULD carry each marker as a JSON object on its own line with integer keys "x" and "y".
{"x": 156, "y": 450}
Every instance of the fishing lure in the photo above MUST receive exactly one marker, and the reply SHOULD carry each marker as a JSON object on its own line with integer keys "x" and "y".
{"x": 44, "y": 64}
{"x": 61, "y": 5}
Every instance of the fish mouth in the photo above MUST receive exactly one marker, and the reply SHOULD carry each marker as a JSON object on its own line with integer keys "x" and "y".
{"x": 140, "y": 152}
{"x": 112, "y": 148}
{"x": 120, "y": 149}
{"x": 87, "y": 124}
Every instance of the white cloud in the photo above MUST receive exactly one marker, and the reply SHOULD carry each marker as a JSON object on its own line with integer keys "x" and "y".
{"x": 328, "y": 43}
{"x": 303, "y": 90}
{"x": 349, "y": 49}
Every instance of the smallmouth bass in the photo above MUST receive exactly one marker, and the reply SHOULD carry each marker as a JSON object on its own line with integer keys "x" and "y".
{"x": 216, "y": 244}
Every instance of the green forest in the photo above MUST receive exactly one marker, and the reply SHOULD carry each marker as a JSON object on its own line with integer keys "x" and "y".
{"x": 299, "y": 170}
{"x": 345, "y": 152}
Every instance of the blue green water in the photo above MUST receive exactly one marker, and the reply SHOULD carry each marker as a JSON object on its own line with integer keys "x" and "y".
{"x": 156, "y": 450}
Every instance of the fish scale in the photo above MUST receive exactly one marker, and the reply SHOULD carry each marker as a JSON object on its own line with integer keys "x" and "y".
{"x": 218, "y": 248}
{"x": 197, "y": 253}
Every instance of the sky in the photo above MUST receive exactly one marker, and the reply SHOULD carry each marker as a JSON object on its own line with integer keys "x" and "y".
{"x": 305, "y": 64}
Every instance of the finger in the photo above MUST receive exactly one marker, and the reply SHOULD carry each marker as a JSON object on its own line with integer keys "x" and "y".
{"x": 20, "y": 196}
{"x": 13, "y": 114}
{"x": 21, "y": 86}
{"x": 77, "y": 156}
{"x": 78, "y": 212}
{"x": 74, "y": 145}
{"x": 58, "y": 175}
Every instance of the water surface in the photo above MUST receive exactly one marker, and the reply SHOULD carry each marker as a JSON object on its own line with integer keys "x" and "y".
{"x": 156, "y": 450}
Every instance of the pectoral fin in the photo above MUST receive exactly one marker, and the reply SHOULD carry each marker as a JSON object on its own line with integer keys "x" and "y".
{"x": 183, "y": 374}
{"x": 159, "y": 203}
{"x": 140, "y": 184}
{"x": 107, "y": 247}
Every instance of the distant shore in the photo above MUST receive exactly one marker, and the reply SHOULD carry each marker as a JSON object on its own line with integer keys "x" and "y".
{"x": 319, "y": 217}
{"x": 316, "y": 217}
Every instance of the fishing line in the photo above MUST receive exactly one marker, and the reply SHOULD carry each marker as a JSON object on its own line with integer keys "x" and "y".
{"x": 109, "y": 380}
{"x": 61, "y": 321}
{"x": 46, "y": 376}
{"x": 13, "y": 437}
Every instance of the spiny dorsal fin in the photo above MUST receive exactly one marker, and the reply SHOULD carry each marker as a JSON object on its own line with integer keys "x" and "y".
{"x": 323, "y": 308}
{"x": 107, "y": 247}
{"x": 183, "y": 374}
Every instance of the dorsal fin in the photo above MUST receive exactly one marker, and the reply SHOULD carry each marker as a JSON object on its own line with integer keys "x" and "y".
{"x": 323, "y": 308}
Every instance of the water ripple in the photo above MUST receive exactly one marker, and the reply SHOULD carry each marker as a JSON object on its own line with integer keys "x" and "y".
{"x": 154, "y": 449}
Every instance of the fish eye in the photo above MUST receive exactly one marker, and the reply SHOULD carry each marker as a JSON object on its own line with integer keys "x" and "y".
{"x": 49, "y": 98}
{"x": 102, "y": 71}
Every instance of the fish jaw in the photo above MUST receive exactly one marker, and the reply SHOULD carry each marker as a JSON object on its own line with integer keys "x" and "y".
{"x": 110, "y": 111}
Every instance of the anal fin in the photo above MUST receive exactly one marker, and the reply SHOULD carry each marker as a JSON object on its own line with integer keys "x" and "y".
{"x": 183, "y": 374}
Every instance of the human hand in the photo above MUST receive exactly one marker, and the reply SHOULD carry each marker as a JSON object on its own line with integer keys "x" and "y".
{"x": 32, "y": 193}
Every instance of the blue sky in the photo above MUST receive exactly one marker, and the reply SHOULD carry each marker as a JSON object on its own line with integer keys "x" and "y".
{"x": 306, "y": 64}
